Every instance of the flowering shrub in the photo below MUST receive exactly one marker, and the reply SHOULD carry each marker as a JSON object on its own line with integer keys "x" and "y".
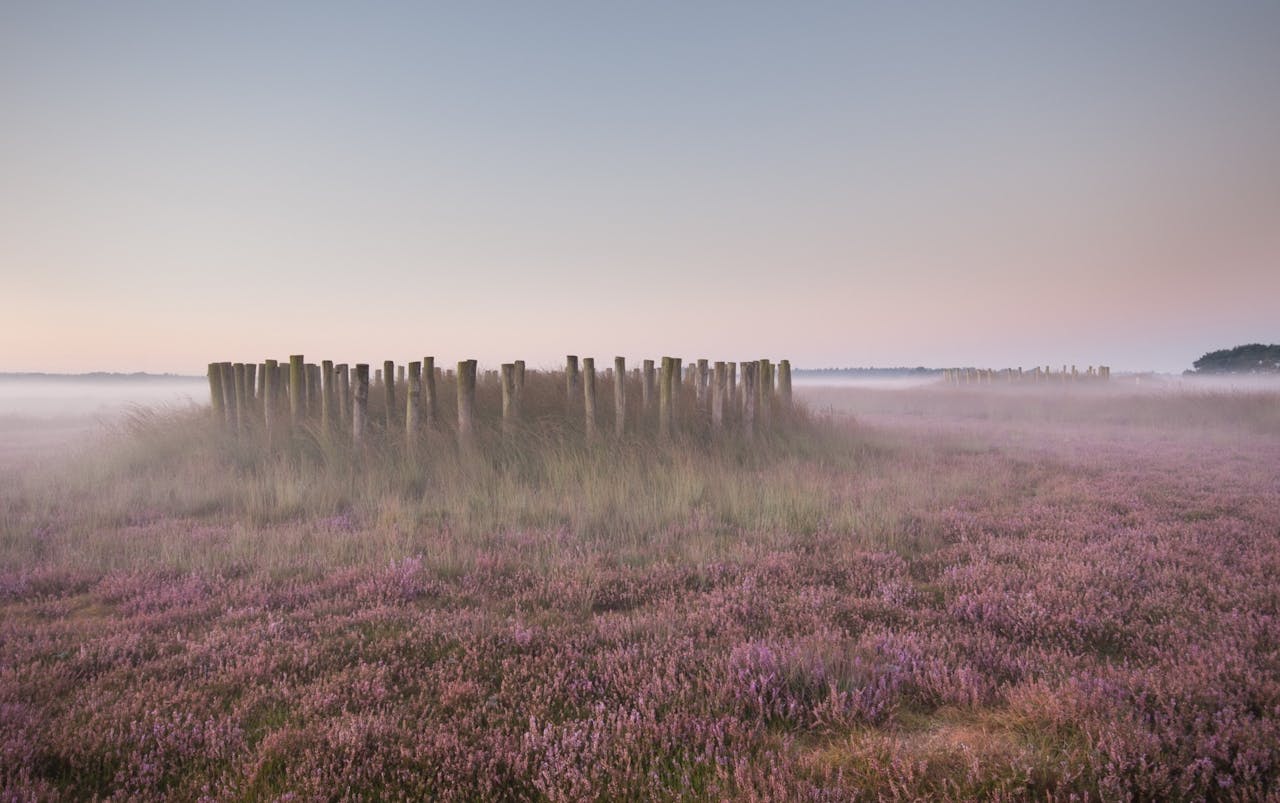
{"x": 1106, "y": 626}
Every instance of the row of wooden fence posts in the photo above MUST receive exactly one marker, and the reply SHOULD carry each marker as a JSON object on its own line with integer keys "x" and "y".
{"x": 968, "y": 376}
{"x": 334, "y": 392}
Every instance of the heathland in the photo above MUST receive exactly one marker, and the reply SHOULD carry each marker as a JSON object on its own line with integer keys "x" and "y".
{"x": 923, "y": 593}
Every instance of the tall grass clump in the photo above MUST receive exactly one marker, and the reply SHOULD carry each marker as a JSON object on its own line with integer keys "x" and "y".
{"x": 312, "y": 496}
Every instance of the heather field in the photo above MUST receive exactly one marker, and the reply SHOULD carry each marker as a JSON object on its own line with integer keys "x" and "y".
{"x": 916, "y": 593}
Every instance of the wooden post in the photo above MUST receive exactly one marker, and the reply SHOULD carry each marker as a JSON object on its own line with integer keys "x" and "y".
{"x": 750, "y": 377}
{"x": 250, "y": 394}
{"x": 389, "y": 388}
{"x": 719, "y": 384}
{"x": 700, "y": 378}
{"x": 360, "y": 403}
{"x": 215, "y": 392}
{"x": 466, "y": 398}
{"x": 400, "y": 374}
{"x": 570, "y": 381}
{"x": 242, "y": 405}
{"x": 677, "y": 381}
{"x": 282, "y": 390}
{"x": 589, "y": 394}
{"x": 784, "y": 383}
{"x": 412, "y": 394}
{"x": 327, "y": 395}
{"x": 227, "y": 378}
{"x": 519, "y": 364}
{"x": 733, "y": 385}
{"x": 646, "y": 386}
{"x": 763, "y": 392}
{"x": 262, "y": 384}
{"x": 269, "y": 392}
{"x": 666, "y": 383}
{"x": 619, "y": 395}
{"x": 342, "y": 382}
{"x": 429, "y": 391}
{"x": 297, "y": 385}
{"x": 310, "y": 393}
{"x": 510, "y": 405}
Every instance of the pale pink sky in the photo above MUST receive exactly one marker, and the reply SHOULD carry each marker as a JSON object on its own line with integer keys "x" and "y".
{"x": 1010, "y": 184}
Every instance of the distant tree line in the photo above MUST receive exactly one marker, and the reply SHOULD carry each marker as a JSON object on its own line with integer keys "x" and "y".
{"x": 1254, "y": 358}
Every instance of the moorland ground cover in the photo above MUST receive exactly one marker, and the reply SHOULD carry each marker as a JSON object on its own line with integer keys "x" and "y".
{"x": 923, "y": 593}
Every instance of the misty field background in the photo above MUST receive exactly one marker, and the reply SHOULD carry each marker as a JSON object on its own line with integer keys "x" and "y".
{"x": 908, "y": 593}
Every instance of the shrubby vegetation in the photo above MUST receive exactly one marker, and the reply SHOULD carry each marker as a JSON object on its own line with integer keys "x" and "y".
{"x": 1081, "y": 603}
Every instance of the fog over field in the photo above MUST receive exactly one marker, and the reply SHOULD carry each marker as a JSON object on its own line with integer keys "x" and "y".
{"x": 922, "y": 591}
{"x": 44, "y": 414}
{"x": 70, "y": 396}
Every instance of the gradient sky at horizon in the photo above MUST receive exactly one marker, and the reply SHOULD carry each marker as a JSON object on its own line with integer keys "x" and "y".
{"x": 841, "y": 184}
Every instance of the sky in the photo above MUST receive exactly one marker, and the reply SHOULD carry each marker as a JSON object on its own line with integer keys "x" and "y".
{"x": 840, "y": 184}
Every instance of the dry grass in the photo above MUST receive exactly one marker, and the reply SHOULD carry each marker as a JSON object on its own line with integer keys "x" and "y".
{"x": 174, "y": 489}
{"x": 943, "y": 596}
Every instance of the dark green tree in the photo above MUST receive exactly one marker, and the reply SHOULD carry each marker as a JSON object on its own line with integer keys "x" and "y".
{"x": 1253, "y": 358}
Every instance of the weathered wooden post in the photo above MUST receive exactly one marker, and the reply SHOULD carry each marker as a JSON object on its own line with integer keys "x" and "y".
{"x": 312, "y": 389}
{"x": 262, "y": 385}
{"x": 250, "y": 394}
{"x": 466, "y": 399}
{"x": 227, "y": 377}
{"x": 510, "y": 405}
{"x": 732, "y": 385}
{"x": 646, "y": 386}
{"x": 571, "y": 381}
{"x": 666, "y": 397}
{"x": 764, "y": 392}
{"x": 315, "y": 390}
{"x": 589, "y": 394}
{"x": 343, "y": 374}
{"x": 269, "y": 401}
{"x": 413, "y": 399}
{"x": 389, "y": 390}
{"x": 215, "y": 392}
{"x": 784, "y": 383}
{"x": 328, "y": 395}
{"x": 619, "y": 395}
{"x": 431, "y": 402}
{"x": 750, "y": 376}
{"x": 297, "y": 385}
{"x": 700, "y": 378}
{"x": 519, "y": 388}
{"x": 719, "y": 384}
{"x": 242, "y": 404}
{"x": 400, "y": 374}
{"x": 677, "y": 391}
{"x": 282, "y": 390}
{"x": 360, "y": 403}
